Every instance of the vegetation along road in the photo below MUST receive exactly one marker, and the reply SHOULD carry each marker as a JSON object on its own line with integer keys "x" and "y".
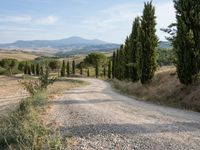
{"x": 96, "y": 117}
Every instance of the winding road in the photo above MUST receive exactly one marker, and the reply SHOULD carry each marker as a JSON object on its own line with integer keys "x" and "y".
{"x": 97, "y": 117}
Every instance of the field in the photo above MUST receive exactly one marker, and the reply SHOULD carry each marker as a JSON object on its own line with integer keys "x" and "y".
{"x": 17, "y": 55}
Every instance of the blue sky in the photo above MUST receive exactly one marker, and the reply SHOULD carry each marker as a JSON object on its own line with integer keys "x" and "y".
{"x": 109, "y": 20}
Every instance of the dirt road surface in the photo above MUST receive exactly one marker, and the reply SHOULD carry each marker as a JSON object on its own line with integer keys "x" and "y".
{"x": 97, "y": 117}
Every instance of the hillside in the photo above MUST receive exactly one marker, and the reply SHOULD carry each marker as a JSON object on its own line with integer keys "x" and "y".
{"x": 71, "y": 45}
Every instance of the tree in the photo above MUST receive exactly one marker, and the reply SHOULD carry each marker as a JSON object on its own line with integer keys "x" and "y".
{"x": 9, "y": 64}
{"x": 135, "y": 53}
{"x": 187, "y": 40}
{"x": 96, "y": 58}
{"x": 109, "y": 70}
{"x": 54, "y": 65}
{"x": 113, "y": 65}
{"x": 104, "y": 72}
{"x": 97, "y": 70}
{"x": 149, "y": 43}
{"x": 81, "y": 70}
{"x": 88, "y": 72}
{"x": 38, "y": 69}
{"x": 41, "y": 70}
{"x": 73, "y": 67}
{"x": 63, "y": 69}
{"x": 29, "y": 69}
{"x": 26, "y": 68}
{"x": 68, "y": 68}
{"x": 33, "y": 68}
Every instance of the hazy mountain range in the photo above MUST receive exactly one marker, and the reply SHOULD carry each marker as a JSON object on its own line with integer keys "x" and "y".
{"x": 71, "y": 45}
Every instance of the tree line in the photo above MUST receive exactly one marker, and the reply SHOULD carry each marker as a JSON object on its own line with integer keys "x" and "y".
{"x": 136, "y": 59}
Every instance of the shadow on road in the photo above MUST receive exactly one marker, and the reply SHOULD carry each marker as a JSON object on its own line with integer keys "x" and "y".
{"x": 131, "y": 129}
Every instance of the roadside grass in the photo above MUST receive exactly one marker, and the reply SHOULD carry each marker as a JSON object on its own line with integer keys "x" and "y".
{"x": 26, "y": 129}
{"x": 165, "y": 89}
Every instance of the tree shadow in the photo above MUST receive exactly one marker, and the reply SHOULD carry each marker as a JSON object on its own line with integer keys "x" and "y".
{"x": 130, "y": 129}
{"x": 73, "y": 102}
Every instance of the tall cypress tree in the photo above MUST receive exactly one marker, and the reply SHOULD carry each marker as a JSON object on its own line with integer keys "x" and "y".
{"x": 104, "y": 72}
{"x": 68, "y": 68}
{"x": 37, "y": 69}
{"x": 117, "y": 65}
{"x": 135, "y": 46}
{"x": 149, "y": 42}
{"x": 63, "y": 69}
{"x": 113, "y": 65}
{"x": 73, "y": 67}
{"x": 187, "y": 40}
{"x": 97, "y": 70}
{"x": 88, "y": 72}
{"x": 81, "y": 70}
{"x": 127, "y": 58}
{"x": 109, "y": 70}
{"x": 33, "y": 68}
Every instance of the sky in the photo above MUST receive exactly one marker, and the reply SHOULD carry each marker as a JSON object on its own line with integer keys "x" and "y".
{"x": 108, "y": 20}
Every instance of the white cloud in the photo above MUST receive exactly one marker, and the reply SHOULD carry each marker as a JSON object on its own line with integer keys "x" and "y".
{"x": 47, "y": 20}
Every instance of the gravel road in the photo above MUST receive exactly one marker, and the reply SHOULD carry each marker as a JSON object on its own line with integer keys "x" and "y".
{"x": 97, "y": 117}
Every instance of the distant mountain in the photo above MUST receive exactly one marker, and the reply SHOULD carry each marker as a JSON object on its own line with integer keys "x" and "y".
{"x": 53, "y": 43}
{"x": 70, "y": 45}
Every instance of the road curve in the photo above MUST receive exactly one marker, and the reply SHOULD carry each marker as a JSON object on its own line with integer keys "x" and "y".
{"x": 96, "y": 117}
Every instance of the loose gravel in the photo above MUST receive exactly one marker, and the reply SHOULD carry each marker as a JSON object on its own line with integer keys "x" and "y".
{"x": 95, "y": 117}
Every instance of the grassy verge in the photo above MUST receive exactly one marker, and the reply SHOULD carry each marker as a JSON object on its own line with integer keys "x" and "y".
{"x": 165, "y": 89}
{"x": 25, "y": 129}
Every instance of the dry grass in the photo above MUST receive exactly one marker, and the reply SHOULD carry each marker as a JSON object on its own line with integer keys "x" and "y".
{"x": 164, "y": 89}
{"x": 20, "y": 56}
{"x": 11, "y": 92}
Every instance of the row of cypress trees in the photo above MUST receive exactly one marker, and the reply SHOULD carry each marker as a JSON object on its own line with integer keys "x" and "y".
{"x": 136, "y": 59}
{"x": 67, "y": 69}
{"x": 33, "y": 69}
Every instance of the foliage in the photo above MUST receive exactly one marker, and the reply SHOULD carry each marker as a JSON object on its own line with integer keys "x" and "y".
{"x": 97, "y": 70}
{"x": 186, "y": 41}
{"x": 68, "y": 68}
{"x": 9, "y": 65}
{"x": 149, "y": 43}
{"x": 96, "y": 58}
{"x": 73, "y": 67}
{"x": 63, "y": 69}
{"x": 110, "y": 70}
{"x": 166, "y": 57}
{"x": 54, "y": 64}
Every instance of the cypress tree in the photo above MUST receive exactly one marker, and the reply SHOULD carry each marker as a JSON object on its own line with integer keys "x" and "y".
{"x": 117, "y": 64}
{"x": 73, "y": 67}
{"x": 81, "y": 70}
{"x": 135, "y": 46}
{"x": 109, "y": 70}
{"x": 97, "y": 70}
{"x": 29, "y": 69}
{"x": 149, "y": 42}
{"x": 37, "y": 69}
{"x": 88, "y": 72}
{"x": 33, "y": 69}
{"x": 113, "y": 65}
{"x": 41, "y": 70}
{"x": 187, "y": 40}
{"x": 104, "y": 72}
{"x": 127, "y": 58}
{"x": 68, "y": 68}
{"x": 26, "y": 68}
{"x": 63, "y": 69}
